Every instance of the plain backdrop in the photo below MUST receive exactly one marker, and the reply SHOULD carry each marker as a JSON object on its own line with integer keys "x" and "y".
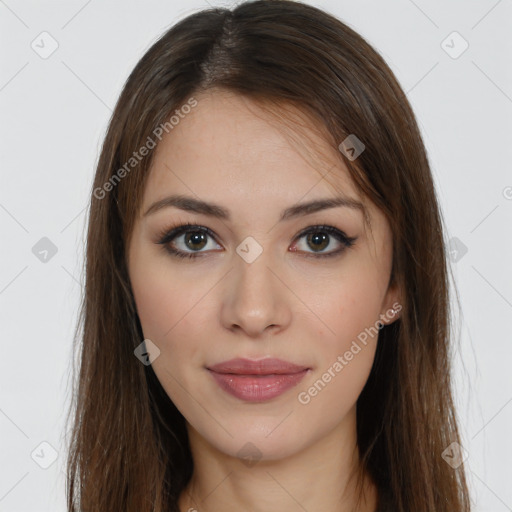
{"x": 54, "y": 112}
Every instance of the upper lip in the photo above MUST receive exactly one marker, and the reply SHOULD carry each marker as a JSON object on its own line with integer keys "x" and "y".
{"x": 261, "y": 367}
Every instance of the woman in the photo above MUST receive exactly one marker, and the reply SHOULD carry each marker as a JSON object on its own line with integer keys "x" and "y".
{"x": 266, "y": 315}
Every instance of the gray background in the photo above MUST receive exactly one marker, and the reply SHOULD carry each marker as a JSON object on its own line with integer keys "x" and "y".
{"x": 54, "y": 113}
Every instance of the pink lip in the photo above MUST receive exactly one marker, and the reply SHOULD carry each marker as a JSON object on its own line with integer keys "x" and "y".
{"x": 257, "y": 381}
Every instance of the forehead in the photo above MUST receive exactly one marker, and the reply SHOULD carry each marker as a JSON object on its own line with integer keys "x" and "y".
{"x": 229, "y": 145}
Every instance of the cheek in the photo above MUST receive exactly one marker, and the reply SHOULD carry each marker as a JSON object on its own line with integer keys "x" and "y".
{"x": 165, "y": 300}
{"x": 346, "y": 342}
{"x": 168, "y": 314}
{"x": 173, "y": 312}
{"x": 156, "y": 301}
{"x": 346, "y": 307}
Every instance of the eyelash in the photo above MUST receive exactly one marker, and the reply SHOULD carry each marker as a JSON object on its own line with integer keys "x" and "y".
{"x": 168, "y": 234}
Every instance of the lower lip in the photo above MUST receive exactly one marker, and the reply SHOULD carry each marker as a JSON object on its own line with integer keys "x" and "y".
{"x": 257, "y": 388}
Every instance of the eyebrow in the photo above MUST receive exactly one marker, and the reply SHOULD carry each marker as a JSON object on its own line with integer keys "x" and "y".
{"x": 193, "y": 205}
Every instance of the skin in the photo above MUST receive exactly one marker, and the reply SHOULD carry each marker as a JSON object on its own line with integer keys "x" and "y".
{"x": 284, "y": 304}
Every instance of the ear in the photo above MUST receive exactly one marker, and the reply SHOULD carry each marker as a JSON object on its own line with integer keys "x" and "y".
{"x": 391, "y": 305}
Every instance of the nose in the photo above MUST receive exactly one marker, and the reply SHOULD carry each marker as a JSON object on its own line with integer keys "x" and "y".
{"x": 255, "y": 298}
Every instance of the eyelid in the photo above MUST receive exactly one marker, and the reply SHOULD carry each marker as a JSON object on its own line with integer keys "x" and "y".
{"x": 345, "y": 240}
{"x": 181, "y": 227}
{"x": 170, "y": 233}
{"x": 166, "y": 235}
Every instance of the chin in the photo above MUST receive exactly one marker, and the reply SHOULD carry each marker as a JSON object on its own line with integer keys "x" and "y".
{"x": 258, "y": 441}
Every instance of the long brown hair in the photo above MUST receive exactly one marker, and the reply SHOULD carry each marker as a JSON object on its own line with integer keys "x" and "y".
{"x": 129, "y": 448}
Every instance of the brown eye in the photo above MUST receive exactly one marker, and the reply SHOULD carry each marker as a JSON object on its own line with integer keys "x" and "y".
{"x": 187, "y": 240}
{"x": 195, "y": 240}
{"x": 318, "y": 241}
{"x": 319, "y": 238}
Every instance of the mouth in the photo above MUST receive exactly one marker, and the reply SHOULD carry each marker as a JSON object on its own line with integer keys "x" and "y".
{"x": 257, "y": 381}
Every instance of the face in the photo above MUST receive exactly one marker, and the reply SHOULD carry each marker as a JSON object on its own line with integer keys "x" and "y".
{"x": 286, "y": 292}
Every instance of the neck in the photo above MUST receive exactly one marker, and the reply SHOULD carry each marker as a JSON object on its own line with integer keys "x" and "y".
{"x": 322, "y": 476}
